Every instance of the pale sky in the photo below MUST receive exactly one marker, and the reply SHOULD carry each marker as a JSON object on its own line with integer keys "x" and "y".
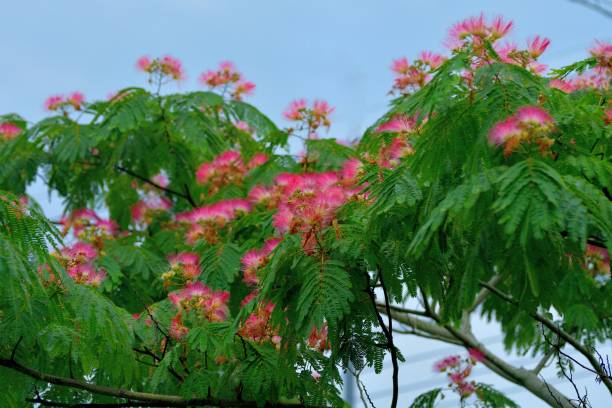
{"x": 339, "y": 50}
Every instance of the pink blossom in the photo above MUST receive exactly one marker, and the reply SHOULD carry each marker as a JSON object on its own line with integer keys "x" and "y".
{"x": 9, "y": 131}
{"x": 506, "y": 52}
{"x": 173, "y": 67}
{"x": 321, "y": 108}
{"x": 398, "y": 124}
{"x": 537, "y": 45}
{"x": 243, "y": 88}
{"x": 431, "y": 59}
{"x": 76, "y": 99}
{"x": 499, "y": 28}
{"x": 466, "y": 389}
{"x": 503, "y": 131}
{"x": 160, "y": 179}
{"x": 447, "y": 362}
{"x": 81, "y": 252}
{"x": 602, "y": 51}
{"x": 54, "y": 102}
{"x": 204, "y": 172}
{"x": 144, "y": 63}
{"x": 400, "y": 66}
{"x": 259, "y": 194}
{"x": 257, "y": 160}
{"x": 476, "y": 355}
{"x": 533, "y": 115}
{"x": 296, "y": 109}
{"x": 242, "y": 126}
{"x": 565, "y": 86}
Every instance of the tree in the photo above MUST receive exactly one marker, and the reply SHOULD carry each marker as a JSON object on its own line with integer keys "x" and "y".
{"x": 199, "y": 263}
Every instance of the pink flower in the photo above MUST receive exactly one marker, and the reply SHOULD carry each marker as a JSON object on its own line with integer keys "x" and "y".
{"x": 499, "y": 28}
{"x": 54, "y": 102}
{"x": 431, "y": 59}
{"x": 144, "y": 63}
{"x": 204, "y": 172}
{"x": 466, "y": 389}
{"x": 447, "y": 362}
{"x": 242, "y": 126}
{"x": 565, "y": 86}
{"x": 476, "y": 355}
{"x": 506, "y": 52}
{"x": 9, "y": 131}
{"x": 161, "y": 180}
{"x": 296, "y": 109}
{"x": 173, "y": 67}
{"x": 603, "y": 52}
{"x": 315, "y": 375}
{"x": 81, "y": 252}
{"x": 398, "y": 124}
{"x": 243, "y": 88}
{"x": 400, "y": 66}
{"x": 536, "y": 46}
{"x": 76, "y": 99}
{"x": 259, "y": 194}
{"x": 533, "y": 115}
{"x": 503, "y": 131}
{"x": 257, "y": 160}
{"x": 321, "y": 109}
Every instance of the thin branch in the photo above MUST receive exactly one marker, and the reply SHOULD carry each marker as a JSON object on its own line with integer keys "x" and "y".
{"x": 542, "y": 363}
{"x": 403, "y": 310}
{"x": 387, "y": 332}
{"x": 146, "y": 399}
{"x": 595, "y": 6}
{"x": 561, "y": 333}
{"x": 484, "y": 292}
{"x": 186, "y": 196}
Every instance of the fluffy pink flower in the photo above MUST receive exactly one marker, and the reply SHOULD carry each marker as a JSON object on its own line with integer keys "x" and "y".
{"x": 296, "y": 109}
{"x": 603, "y": 52}
{"x": 9, "y": 131}
{"x": 499, "y": 28}
{"x": 161, "y": 180}
{"x": 242, "y": 126}
{"x": 503, "y": 131}
{"x": 431, "y": 59}
{"x": 533, "y": 115}
{"x": 173, "y": 67}
{"x": 204, "y": 172}
{"x": 81, "y": 252}
{"x": 398, "y": 124}
{"x": 144, "y": 63}
{"x": 447, "y": 362}
{"x": 400, "y": 66}
{"x": 243, "y": 88}
{"x": 76, "y": 99}
{"x": 565, "y": 86}
{"x": 537, "y": 45}
{"x": 260, "y": 194}
{"x": 54, "y": 102}
{"x": 466, "y": 389}
{"x": 476, "y": 355}
{"x": 257, "y": 160}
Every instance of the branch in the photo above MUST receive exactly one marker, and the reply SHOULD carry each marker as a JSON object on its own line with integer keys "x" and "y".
{"x": 145, "y": 398}
{"x": 388, "y": 332}
{"x": 595, "y": 6}
{"x": 516, "y": 375}
{"x": 186, "y": 196}
{"x": 561, "y": 333}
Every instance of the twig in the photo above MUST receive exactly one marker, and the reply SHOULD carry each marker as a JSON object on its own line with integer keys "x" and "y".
{"x": 595, "y": 6}
{"x": 607, "y": 380}
{"x": 186, "y": 196}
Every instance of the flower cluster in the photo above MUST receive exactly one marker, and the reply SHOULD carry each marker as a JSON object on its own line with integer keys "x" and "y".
{"x": 528, "y": 125}
{"x": 598, "y": 78}
{"x": 151, "y": 204}
{"x": 62, "y": 103}
{"x": 255, "y": 259}
{"x": 206, "y": 222}
{"x": 197, "y": 299}
{"x": 229, "y": 79}
{"x": 411, "y": 77}
{"x": 88, "y": 226}
{"x": 318, "y": 339}
{"x": 526, "y": 58}
{"x": 184, "y": 267}
{"x": 308, "y": 119}
{"x": 458, "y": 370}
{"x": 404, "y": 127}
{"x": 162, "y": 68}
{"x": 9, "y": 131}
{"x": 225, "y": 169}
{"x": 78, "y": 260}
{"x": 475, "y": 31}
{"x": 257, "y": 326}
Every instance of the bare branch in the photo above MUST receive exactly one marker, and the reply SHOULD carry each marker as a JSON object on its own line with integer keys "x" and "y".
{"x": 561, "y": 333}
{"x": 595, "y": 5}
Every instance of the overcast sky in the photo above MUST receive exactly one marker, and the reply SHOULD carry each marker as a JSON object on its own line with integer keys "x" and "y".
{"x": 339, "y": 50}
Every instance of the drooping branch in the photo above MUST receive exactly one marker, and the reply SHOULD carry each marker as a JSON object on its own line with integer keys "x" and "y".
{"x": 142, "y": 398}
{"x": 187, "y": 195}
{"x": 565, "y": 336}
{"x": 516, "y": 375}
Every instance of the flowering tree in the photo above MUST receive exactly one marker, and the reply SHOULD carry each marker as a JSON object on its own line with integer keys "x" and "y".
{"x": 198, "y": 263}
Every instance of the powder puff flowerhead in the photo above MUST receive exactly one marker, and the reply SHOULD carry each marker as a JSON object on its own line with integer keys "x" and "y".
{"x": 534, "y": 115}
{"x": 431, "y": 59}
{"x": 537, "y": 45}
{"x": 400, "y": 66}
{"x": 398, "y": 124}
{"x": 503, "y": 131}
{"x": 560, "y": 84}
{"x": 76, "y": 99}
{"x": 296, "y": 110}
{"x": 9, "y": 131}
{"x": 54, "y": 102}
{"x": 162, "y": 68}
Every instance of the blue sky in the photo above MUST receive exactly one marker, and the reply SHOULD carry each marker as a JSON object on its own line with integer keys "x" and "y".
{"x": 339, "y": 50}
